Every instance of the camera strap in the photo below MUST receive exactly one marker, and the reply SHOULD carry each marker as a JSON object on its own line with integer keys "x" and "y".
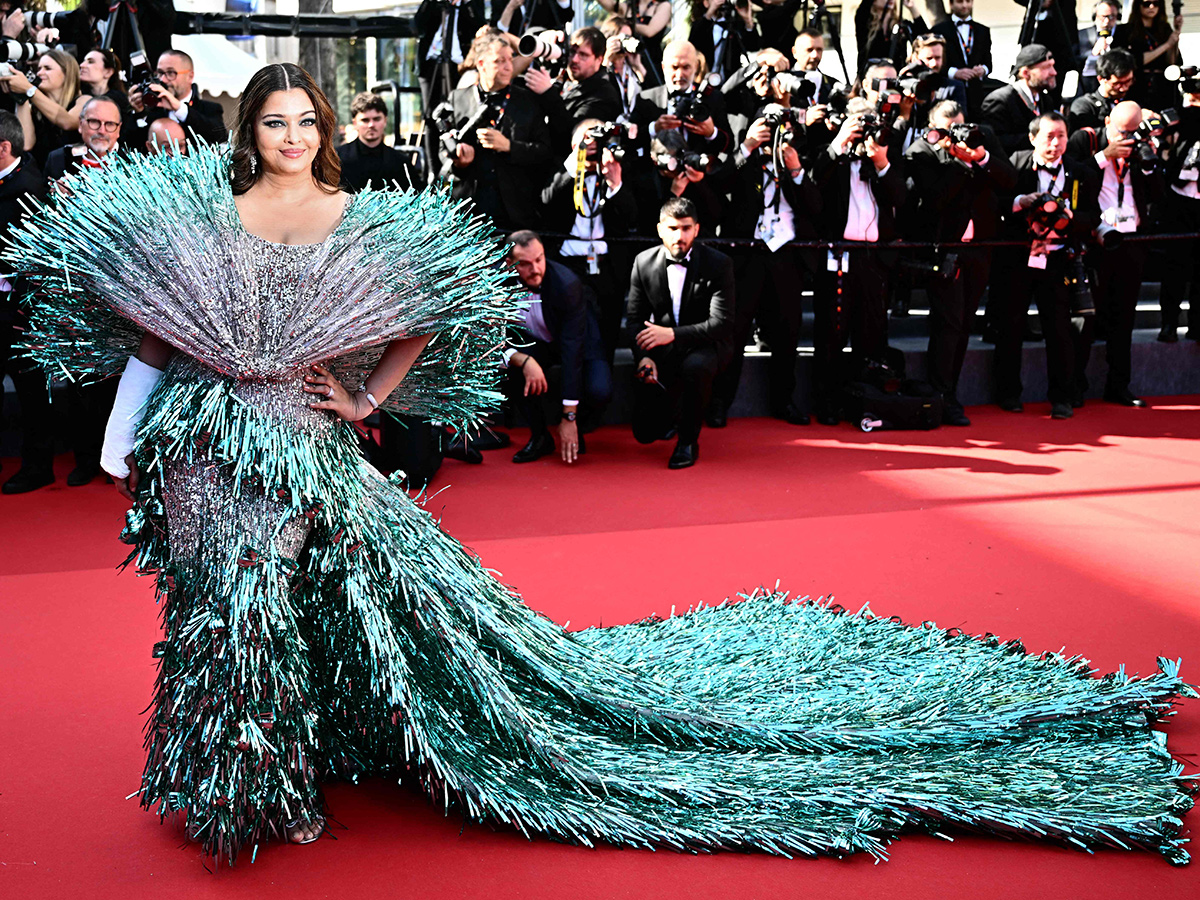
{"x": 495, "y": 121}
{"x": 587, "y": 203}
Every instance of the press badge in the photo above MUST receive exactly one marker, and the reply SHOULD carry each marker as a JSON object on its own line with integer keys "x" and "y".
{"x": 838, "y": 262}
{"x": 1037, "y": 261}
{"x": 593, "y": 261}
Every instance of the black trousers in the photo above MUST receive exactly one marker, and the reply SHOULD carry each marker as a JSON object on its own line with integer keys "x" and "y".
{"x": 606, "y": 296}
{"x": 683, "y": 392}
{"x": 1180, "y": 215}
{"x": 33, "y": 395}
{"x": 769, "y": 291}
{"x": 1115, "y": 291}
{"x": 952, "y": 306}
{"x": 89, "y": 407}
{"x": 852, "y": 306}
{"x": 1049, "y": 289}
{"x": 539, "y": 410}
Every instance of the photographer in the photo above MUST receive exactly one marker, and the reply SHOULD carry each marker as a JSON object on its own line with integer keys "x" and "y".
{"x": 723, "y": 31}
{"x": 955, "y": 174}
{"x": 1114, "y": 78}
{"x": 968, "y": 49}
{"x": 929, "y": 84}
{"x": 649, "y": 19}
{"x": 100, "y": 74}
{"x": 557, "y": 329}
{"x": 165, "y": 137}
{"x": 1154, "y": 42}
{"x": 1056, "y": 28}
{"x": 861, "y": 192}
{"x": 587, "y": 200}
{"x": 880, "y": 88}
{"x": 704, "y": 124}
{"x": 172, "y": 93}
{"x": 808, "y": 50}
{"x": 626, "y": 70}
{"x": 99, "y": 132}
{"x": 519, "y": 16}
{"x": 498, "y": 142}
{"x": 367, "y": 159}
{"x": 20, "y": 182}
{"x": 447, "y": 29}
{"x": 774, "y": 201}
{"x": 1054, "y": 210}
{"x": 1095, "y": 41}
{"x": 587, "y": 92}
{"x": 1181, "y": 215}
{"x": 49, "y": 112}
{"x": 1124, "y": 156}
{"x": 1010, "y": 109}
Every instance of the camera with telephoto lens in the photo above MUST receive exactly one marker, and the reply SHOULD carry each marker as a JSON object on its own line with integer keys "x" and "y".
{"x": 878, "y": 128}
{"x": 1154, "y": 125}
{"x": 784, "y": 120}
{"x": 919, "y": 82}
{"x": 1187, "y": 77}
{"x": 876, "y": 123}
{"x": 1082, "y": 302}
{"x": 607, "y": 136}
{"x": 688, "y": 106}
{"x": 20, "y": 52}
{"x": 36, "y": 20}
{"x": 959, "y": 133}
{"x": 670, "y": 154}
{"x": 549, "y": 54}
{"x": 1048, "y": 213}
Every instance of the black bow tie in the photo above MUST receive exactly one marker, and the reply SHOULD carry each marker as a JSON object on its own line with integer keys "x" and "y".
{"x": 672, "y": 261}
{"x": 958, "y": 22}
{"x": 1052, "y": 171}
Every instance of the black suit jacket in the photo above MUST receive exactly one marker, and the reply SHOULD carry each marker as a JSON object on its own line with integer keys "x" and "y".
{"x": 1006, "y": 112}
{"x": 833, "y": 175}
{"x": 521, "y": 171}
{"x": 382, "y": 166}
{"x": 1148, "y": 187}
{"x": 945, "y": 193}
{"x": 1088, "y": 111}
{"x": 1080, "y": 184}
{"x": 19, "y": 186}
{"x": 618, "y": 213}
{"x": 701, "y": 37}
{"x": 746, "y": 204}
{"x": 593, "y": 98}
{"x": 652, "y": 103}
{"x": 1059, "y": 35}
{"x": 467, "y": 18}
{"x": 706, "y": 308}
{"x": 565, "y": 309}
{"x": 981, "y": 46}
{"x": 205, "y": 119}
{"x": 64, "y": 161}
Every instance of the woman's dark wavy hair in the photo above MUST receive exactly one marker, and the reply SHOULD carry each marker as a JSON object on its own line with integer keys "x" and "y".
{"x": 327, "y": 167}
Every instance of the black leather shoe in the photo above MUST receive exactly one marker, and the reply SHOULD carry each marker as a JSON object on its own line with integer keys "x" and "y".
{"x": 1011, "y": 404}
{"x": 1169, "y": 334}
{"x": 81, "y": 475}
{"x": 718, "y": 415}
{"x": 1061, "y": 411}
{"x": 1123, "y": 397}
{"x": 828, "y": 418}
{"x": 27, "y": 479}
{"x": 539, "y": 445}
{"x": 792, "y": 416}
{"x": 953, "y": 414}
{"x": 464, "y": 452}
{"x": 685, "y": 455}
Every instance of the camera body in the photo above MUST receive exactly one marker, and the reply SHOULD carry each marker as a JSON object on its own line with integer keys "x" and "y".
{"x": 688, "y": 107}
{"x": 1153, "y": 126}
{"x": 878, "y": 128}
{"x": 784, "y": 120}
{"x": 670, "y": 154}
{"x": 609, "y": 136}
{"x": 1048, "y": 213}
{"x": 959, "y": 133}
{"x": 919, "y": 82}
{"x": 549, "y": 54}
{"x": 150, "y": 98}
{"x": 1187, "y": 77}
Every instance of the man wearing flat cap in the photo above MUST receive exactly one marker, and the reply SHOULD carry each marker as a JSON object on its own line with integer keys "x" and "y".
{"x": 1010, "y": 109}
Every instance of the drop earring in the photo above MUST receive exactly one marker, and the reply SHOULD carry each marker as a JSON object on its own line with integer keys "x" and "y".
{"x": 254, "y": 164}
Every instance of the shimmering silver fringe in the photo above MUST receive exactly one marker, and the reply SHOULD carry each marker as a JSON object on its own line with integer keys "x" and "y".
{"x": 783, "y": 725}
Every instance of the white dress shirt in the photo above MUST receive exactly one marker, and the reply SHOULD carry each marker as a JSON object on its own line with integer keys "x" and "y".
{"x": 180, "y": 115}
{"x": 1117, "y": 208}
{"x": 676, "y": 276}
{"x": 450, "y": 25}
{"x": 776, "y": 226}
{"x": 964, "y": 28}
{"x": 862, "y": 215}
{"x": 588, "y": 228}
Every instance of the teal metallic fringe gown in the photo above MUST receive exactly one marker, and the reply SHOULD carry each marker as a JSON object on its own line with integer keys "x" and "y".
{"x": 319, "y": 624}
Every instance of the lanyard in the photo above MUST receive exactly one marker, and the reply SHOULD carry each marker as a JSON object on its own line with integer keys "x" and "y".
{"x": 503, "y": 106}
{"x": 1121, "y": 167}
{"x": 970, "y": 39}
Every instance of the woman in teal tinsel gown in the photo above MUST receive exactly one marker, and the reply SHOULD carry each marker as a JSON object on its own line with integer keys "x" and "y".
{"x": 319, "y": 624}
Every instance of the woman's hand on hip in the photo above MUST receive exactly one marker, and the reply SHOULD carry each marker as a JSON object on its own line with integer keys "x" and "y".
{"x": 334, "y": 396}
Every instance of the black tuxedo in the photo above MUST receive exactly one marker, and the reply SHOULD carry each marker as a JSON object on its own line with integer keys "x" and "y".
{"x": 652, "y": 103}
{"x": 703, "y": 334}
{"x": 1089, "y": 111}
{"x": 465, "y": 19}
{"x": 701, "y": 37}
{"x": 769, "y": 284}
{"x": 1006, "y": 111}
{"x": 574, "y": 345}
{"x": 1049, "y": 287}
{"x": 618, "y": 215}
{"x": 981, "y": 45}
{"x": 503, "y": 185}
{"x": 832, "y": 172}
{"x": 1117, "y": 273}
{"x": 945, "y": 196}
{"x": 37, "y": 438}
{"x": 65, "y": 161}
{"x": 205, "y": 119}
{"x": 595, "y": 97}
{"x": 381, "y": 166}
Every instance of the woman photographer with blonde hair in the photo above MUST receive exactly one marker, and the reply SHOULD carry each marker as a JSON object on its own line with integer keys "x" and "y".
{"x": 49, "y": 111}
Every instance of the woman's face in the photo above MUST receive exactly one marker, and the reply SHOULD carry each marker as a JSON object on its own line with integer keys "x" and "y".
{"x": 51, "y": 74}
{"x": 92, "y": 70}
{"x": 1149, "y": 9}
{"x": 286, "y": 133}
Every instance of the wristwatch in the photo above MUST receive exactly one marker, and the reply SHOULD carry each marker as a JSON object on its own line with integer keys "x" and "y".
{"x": 570, "y": 414}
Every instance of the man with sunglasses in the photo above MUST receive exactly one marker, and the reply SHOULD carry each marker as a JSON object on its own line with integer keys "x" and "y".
{"x": 1130, "y": 181}
{"x": 179, "y": 98}
{"x": 1114, "y": 77}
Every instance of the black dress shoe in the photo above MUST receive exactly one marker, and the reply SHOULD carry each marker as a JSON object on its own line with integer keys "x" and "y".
{"x": 490, "y": 440}
{"x": 718, "y": 415}
{"x": 1011, "y": 404}
{"x": 464, "y": 452}
{"x": 27, "y": 479}
{"x": 1123, "y": 397}
{"x": 539, "y": 445}
{"x": 685, "y": 455}
{"x": 1061, "y": 411}
{"x": 791, "y": 415}
{"x": 953, "y": 414}
{"x": 81, "y": 475}
{"x": 828, "y": 418}
{"x": 1169, "y": 334}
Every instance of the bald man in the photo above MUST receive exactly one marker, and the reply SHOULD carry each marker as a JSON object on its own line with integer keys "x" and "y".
{"x": 705, "y": 133}
{"x": 164, "y": 136}
{"x": 1128, "y": 186}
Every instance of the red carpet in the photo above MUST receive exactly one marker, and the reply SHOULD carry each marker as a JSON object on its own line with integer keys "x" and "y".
{"x": 1083, "y": 534}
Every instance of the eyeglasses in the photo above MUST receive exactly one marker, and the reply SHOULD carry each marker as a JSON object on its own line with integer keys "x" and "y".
{"x": 170, "y": 73}
{"x": 98, "y": 125}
